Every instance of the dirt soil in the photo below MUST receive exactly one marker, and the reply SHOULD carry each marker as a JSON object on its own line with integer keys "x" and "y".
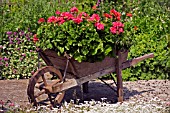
{"x": 16, "y": 91}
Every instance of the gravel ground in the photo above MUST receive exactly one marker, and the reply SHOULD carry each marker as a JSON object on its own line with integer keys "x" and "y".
{"x": 142, "y": 96}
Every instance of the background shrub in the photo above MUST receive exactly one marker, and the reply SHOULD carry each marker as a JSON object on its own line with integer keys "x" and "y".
{"x": 152, "y": 20}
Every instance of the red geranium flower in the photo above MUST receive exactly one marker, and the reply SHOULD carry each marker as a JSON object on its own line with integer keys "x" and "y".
{"x": 118, "y": 24}
{"x": 107, "y": 15}
{"x": 99, "y": 26}
{"x": 66, "y": 15}
{"x": 94, "y": 7}
{"x": 129, "y": 14}
{"x": 61, "y": 22}
{"x": 118, "y": 18}
{"x": 117, "y": 28}
{"x": 52, "y": 19}
{"x": 74, "y": 10}
{"x": 95, "y": 18}
{"x": 35, "y": 39}
{"x": 60, "y": 19}
{"x": 116, "y": 14}
{"x": 113, "y": 30}
{"x": 135, "y": 28}
{"x": 83, "y": 14}
{"x": 41, "y": 20}
{"x": 120, "y": 30}
{"x": 57, "y": 12}
{"x": 77, "y": 20}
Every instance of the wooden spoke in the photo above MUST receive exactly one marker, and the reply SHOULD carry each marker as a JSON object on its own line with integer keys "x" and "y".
{"x": 49, "y": 96}
{"x": 59, "y": 97}
{"x": 40, "y": 85}
{"x": 44, "y": 80}
{"x": 40, "y": 93}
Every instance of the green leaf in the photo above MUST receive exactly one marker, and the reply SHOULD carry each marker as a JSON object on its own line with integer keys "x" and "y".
{"x": 39, "y": 31}
{"x": 108, "y": 49}
{"x": 85, "y": 51}
{"x": 79, "y": 58}
{"x": 61, "y": 49}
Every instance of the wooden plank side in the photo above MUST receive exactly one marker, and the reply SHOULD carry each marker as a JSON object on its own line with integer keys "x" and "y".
{"x": 58, "y": 62}
{"x": 84, "y": 68}
{"x": 69, "y": 83}
{"x": 95, "y": 75}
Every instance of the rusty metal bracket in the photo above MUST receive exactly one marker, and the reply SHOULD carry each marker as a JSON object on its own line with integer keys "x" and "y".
{"x": 107, "y": 85}
{"x": 68, "y": 59}
{"x": 113, "y": 79}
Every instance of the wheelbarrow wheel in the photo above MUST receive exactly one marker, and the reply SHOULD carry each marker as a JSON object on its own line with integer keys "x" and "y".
{"x": 38, "y": 83}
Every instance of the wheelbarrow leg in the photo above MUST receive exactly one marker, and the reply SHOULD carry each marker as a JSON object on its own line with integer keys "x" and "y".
{"x": 85, "y": 87}
{"x": 119, "y": 77}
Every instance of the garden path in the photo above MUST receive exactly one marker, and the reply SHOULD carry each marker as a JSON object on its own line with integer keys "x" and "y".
{"x": 15, "y": 91}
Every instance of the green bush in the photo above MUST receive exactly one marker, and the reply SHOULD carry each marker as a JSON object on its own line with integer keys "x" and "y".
{"x": 152, "y": 20}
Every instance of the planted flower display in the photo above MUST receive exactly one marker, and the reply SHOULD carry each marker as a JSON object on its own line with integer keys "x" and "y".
{"x": 86, "y": 36}
{"x": 16, "y": 54}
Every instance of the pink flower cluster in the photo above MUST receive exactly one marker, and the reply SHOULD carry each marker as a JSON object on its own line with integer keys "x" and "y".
{"x": 41, "y": 20}
{"x": 83, "y": 15}
{"x": 94, "y": 18}
{"x": 117, "y": 28}
{"x": 116, "y": 14}
{"x": 65, "y": 16}
{"x": 52, "y": 19}
{"x": 107, "y": 15}
{"x": 74, "y": 10}
{"x": 35, "y": 38}
{"x": 78, "y": 18}
{"x": 99, "y": 26}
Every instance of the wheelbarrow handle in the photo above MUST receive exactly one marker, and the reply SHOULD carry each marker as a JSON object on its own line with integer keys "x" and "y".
{"x": 134, "y": 61}
{"x": 138, "y": 59}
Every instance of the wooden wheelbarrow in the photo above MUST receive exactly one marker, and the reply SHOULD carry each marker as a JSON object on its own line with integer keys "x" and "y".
{"x": 48, "y": 84}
